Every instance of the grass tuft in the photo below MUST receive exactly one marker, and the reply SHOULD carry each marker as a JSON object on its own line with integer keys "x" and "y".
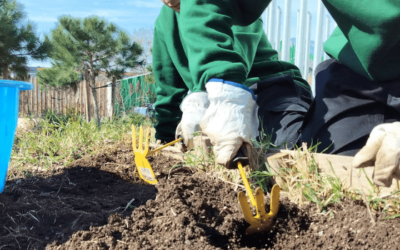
{"x": 58, "y": 140}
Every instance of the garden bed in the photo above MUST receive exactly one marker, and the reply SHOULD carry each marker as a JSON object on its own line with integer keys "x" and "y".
{"x": 100, "y": 203}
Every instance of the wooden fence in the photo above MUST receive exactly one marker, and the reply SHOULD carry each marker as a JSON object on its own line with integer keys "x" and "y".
{"x": 38, "y": 101}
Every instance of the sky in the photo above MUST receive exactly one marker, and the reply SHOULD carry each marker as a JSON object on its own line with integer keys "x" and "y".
{"x": 129, "y": 15}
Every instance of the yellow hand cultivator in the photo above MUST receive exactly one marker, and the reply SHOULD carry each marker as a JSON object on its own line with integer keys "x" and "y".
{"x": 261, "y": 221}
{"x": 143, "y": 165}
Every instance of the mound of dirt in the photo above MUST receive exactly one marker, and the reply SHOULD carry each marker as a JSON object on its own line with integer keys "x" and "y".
{"x": 198, "y": 212}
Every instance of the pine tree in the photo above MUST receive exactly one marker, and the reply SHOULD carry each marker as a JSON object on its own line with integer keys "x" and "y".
{"x": 91, "y": 45}
{"x": 18, "y": 40}
{"x": 57, "y": 76}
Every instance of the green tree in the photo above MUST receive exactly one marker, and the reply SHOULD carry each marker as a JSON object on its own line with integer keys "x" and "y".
{"x": 56, "y": 77}
{"x": 18, "y": 40}
{"x": 92, "y": 45}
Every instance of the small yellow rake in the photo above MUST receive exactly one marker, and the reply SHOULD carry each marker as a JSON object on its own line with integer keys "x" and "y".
{"x": 143, "y": 165}
{"x": 262, "y": 221}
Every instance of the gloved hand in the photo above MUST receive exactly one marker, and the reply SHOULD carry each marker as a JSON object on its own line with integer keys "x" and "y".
{"x": 193, "y": 109}
{"x": 382, "y": 151}
{"x": 231, "y": 119}
{"x": 173, "y": 4}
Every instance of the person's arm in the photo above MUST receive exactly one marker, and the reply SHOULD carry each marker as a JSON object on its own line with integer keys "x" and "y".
{"x": 170, "y": 88}
{"x": 206, "y": 28}
{"x": 371, "y": 28}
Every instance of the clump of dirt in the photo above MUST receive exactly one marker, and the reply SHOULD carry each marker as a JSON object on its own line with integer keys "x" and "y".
{"x": 55, "y": 204}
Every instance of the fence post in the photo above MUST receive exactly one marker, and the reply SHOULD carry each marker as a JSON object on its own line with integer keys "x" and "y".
{"x": 43, "y": 101}
{"x": 58, "y": 102}
{"x": 307, "y": 50}
{"x": 299, "y": 55}
{"x": 111, "y": 97}
{"x": 327, "y": 33}
{"x": 278, "y": 32}
{"x": 297, "y": 30}
{"x": 39, "y": 111}
{"x": 81, "y": 108}
{"x": 104, "y": 102}
{"x": 286, "y": 30}
{"x": 21, "y": 102}
{"x": 36, "y": 95}
{"x": 47, "y": 100}
{"x": 318, "y": 41}
{"x": 271, "y": 22}
{"x": 266, "y": 19}
{"x": 53, "y": 105}
{"x": 60, "y": 99}
{"x": 87, "y": 99}
{"x": 31, "y": 98}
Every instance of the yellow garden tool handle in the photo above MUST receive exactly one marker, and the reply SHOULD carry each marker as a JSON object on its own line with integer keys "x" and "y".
{"x": 166, "y": 145}
{"x": 246, "y": 184}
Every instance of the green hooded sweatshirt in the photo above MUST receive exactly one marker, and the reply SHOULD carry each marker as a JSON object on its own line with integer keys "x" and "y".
{"x": 198, "y": 44}
{"x": 367, "y": 39}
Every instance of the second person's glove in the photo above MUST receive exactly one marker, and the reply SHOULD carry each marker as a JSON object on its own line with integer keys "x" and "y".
{"x": 382, "y": 151}
{"x": 230, "y": 120}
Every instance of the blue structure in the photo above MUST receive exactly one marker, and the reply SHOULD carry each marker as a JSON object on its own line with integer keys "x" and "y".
{"x": 9, "y": 105}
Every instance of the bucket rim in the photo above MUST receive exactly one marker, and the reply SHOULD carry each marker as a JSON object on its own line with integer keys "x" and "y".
{"x": 16, "y": 84}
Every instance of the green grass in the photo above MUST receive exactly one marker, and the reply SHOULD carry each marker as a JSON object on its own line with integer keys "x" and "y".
{"x": 59, "y": 140}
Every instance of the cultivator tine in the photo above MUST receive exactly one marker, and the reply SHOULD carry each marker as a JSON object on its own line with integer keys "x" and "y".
{"x": 140, "y": 139}
{"x": 262, "y": 221}
{"x": 248, "y": 216}
{"x": 142, "y": 164}
{"x": 260, "y": 203}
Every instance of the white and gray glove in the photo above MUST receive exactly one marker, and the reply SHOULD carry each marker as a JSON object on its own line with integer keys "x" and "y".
{"x": 230, "y": 120}
{"x": 382, "y": 151}
{"x": 193, "y": 109}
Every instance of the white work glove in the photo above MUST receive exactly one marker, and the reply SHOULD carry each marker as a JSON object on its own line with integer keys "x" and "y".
{"x": 193, "y": 109}
{"x": 231, "y": 119}
{"x": 382, "y": 151}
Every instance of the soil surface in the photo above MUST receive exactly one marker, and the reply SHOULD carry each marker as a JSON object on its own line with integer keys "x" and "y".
{"x": 100, "y": 203}
{"x": 53, "y": 205}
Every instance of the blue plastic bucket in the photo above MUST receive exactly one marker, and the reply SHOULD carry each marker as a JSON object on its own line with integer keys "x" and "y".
{"x": 9, "y": 105}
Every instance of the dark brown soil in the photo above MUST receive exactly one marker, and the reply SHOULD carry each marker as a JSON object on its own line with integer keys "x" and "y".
{"x": 83, "y": 206}
{"x": 37, "y": 211}
{"x": 197, "y": 212}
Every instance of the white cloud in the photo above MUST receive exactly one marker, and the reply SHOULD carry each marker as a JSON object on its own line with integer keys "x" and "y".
{"x": 146, "y": 4}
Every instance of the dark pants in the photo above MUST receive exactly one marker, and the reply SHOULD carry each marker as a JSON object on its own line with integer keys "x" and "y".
{"x": 340, "y": 117}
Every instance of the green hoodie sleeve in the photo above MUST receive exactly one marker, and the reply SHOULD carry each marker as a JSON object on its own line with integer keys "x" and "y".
{"x": 170, "y": 87}
{"x": 367, "y": 39}
{"x": 206, "y": 28}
